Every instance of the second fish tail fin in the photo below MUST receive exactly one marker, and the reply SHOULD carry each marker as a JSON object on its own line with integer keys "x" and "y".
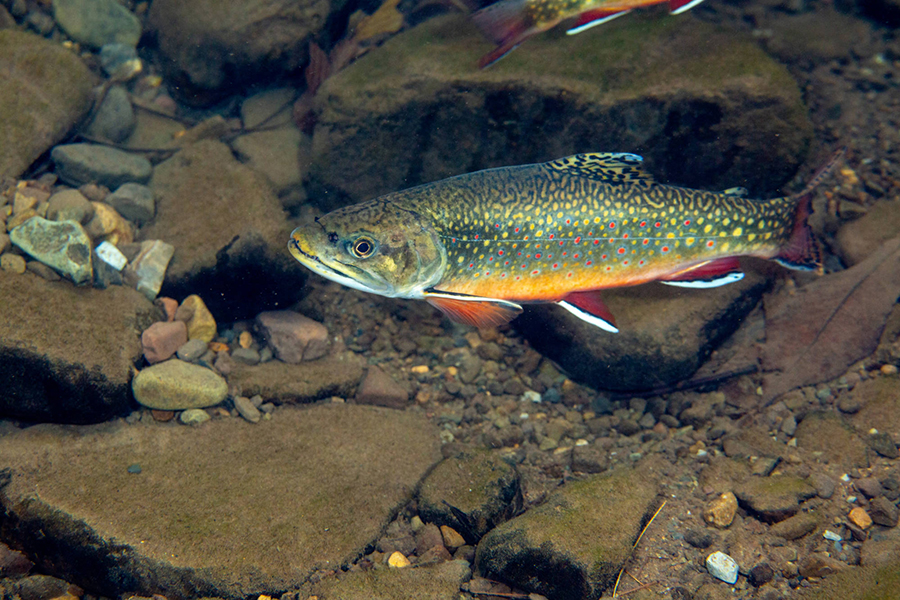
{"x": 802, "y": 250}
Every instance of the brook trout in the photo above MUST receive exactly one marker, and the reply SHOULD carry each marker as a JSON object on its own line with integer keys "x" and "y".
{"x": 478, "y": 246}
{"x": 508, "y": 23}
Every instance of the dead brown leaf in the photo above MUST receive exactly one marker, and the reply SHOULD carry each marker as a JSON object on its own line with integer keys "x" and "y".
{"x": 815, "y": 334}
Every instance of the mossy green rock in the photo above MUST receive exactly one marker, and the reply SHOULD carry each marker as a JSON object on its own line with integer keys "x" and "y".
{"x": 228, "y": 509}
{"x": 178, "y": 385}
{"x": 832, "y": 439}
{"x": 46, "y": 90}
{"x": 774, "y": 498}
{"x": 858, "y": 583}
{"x": 480, "y": 485}
{"x": 63, "y": 245}
{"x": 439, "y": 582}
{"x": 572, "y": 546}
{"x": 880, "y": 399}
{"x": 705, "y": 106}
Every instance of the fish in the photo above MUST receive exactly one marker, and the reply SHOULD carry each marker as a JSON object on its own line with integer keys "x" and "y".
{"x": 479, "y": 246}
{"x": 508, "y": 23}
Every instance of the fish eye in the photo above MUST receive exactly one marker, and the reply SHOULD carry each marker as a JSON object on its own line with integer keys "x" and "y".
{"x": 362, "y": 247}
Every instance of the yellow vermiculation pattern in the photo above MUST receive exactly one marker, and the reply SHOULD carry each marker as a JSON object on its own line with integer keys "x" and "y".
{"x": 535, "y": 233}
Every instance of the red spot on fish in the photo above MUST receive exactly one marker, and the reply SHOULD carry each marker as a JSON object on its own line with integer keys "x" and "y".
{"x": 476, "y": 236}
{"x": 490, "y": 259}
{"x": 612, "y": 225}
{"x": 454, "y": 240}
{"x": 555, "y": 265}
{"x": 502, "y": 274}
{"x": 535, "y": 272}
{"x": 487, "y": 273}
{"x": 537, "y": 245}
{"x": 657, "y": 224}
{"x": 519, "y": 254}
{"x": 611, "y": 240}
{"x": 609, "y": 268}
{"x": 526, "y": 238}
{"x": 624, "y": 236}
{"x": 624, "y": 262}
{"x": 518, "y": 278}
{"x": 578, "y": 240}
{"x": 565, "y": 253}
{"x": 561, "y": 242}
{"x": 537, "y": 255}
{"x": 506, "y": 263}
{"x": 604, "y": 257}
{"x": 569, "y": 275}
{"x": 596, "y": 242}
{"x": 665, "y": 248}
{"x": 588, "y": 263}
{"x": 568, "y": 222}
{"x": 497, "y": 225}
{"x": 646, "y": 242}
{"x": 710, "y": 244}
{"x": 549, "y": 256}
{"x": 641, "y": 262}
{"x": 551, "y": 236}
{"x": 500, "y": 252}
{"x": 517, "y": 230}
{"x": 471, "y": 265}
{"x": 523, "y": 266}
{"x": 573, "y": 256}
{"x": 643, "y": 223}
{"x": 621, "y": 250}
{"x": 688, "y": 222}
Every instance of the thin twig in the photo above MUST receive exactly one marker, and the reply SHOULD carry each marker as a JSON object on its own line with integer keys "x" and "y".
{"x": 636, "y": 542}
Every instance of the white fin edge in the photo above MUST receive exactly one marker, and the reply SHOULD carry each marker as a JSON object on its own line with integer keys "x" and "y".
{"x": 705, "y": 284}
{"x": 589, "y": 318}
{"x": 467, "y": 298}
{"x": 686, "y": 7}
{"x": 586, "y": 26}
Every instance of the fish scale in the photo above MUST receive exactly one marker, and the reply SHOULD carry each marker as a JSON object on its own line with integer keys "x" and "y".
{"x": 479, "y": 245}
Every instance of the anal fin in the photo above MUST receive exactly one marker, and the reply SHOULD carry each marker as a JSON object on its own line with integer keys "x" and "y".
{"x": 474, "y": 310}
{"x": 588, "y": 307}
{"x": 592, "y": 18}
{"x": 709, "y": 274}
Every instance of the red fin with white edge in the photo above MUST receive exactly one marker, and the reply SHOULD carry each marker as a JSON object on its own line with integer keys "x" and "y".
{"x": 592, "y": 18}
{"x": 802, "y": 251}
{"x": 503, "y": 23}
{"x": 709, "y": 274}
{"x": 474, "y": 310}
{"x": 588, "y": 307}
{"x": 676, "y": 7}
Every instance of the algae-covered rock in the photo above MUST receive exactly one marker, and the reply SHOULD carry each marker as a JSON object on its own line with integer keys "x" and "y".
{"x": 334, "y": 375}
{"x": 572, "y": 546}
{"x": 229, "y": 231}
{"x": 483, "y": 489}
{"x": 832, "y": 437}
{"x": 705, "y": 106}
{"x": 774, "y": 498}
{"x": 67, "y": 353}
{"x": 857, "y": 583}
{"x": 228, "y": 510}
{"x": 439, "y": 582}
{"x": 46, "y": 90}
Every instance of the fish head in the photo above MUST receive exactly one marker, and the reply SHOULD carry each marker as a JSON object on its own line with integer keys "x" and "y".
{"x": 377, "y": 247}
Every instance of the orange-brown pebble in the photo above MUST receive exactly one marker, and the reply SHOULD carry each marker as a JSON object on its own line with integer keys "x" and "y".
{"x": 162, "y": 416}
{"x": 169, "y": 305}
{"x": 218, "y": 347}
{"x": 452, "y": 538}
{"x": 245, "y": 340}
{"x": 860, "y": 518}
{"x": 720, "y": 512}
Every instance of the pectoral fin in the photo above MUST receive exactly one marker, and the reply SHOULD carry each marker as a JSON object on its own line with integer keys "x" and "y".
{"x": 592, "y": 18}
{"x": 474, "y": 310}
{"x": 588, "y": 307}
{"x": 709, "y": 274}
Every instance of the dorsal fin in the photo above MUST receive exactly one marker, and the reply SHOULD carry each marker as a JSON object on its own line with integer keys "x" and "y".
{"x": 609, "y": 167}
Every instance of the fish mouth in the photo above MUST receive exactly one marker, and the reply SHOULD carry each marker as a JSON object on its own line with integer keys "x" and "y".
{"x": 320, "y": 267}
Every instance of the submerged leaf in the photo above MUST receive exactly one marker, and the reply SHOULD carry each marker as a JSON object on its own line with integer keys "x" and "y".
{"x": 815, "y": 334}
{"x": 386, "y": 20}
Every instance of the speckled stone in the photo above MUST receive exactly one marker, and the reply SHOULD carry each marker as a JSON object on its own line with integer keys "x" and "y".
{"x": 62, "y": 245}
{"x": 177, "y": 385}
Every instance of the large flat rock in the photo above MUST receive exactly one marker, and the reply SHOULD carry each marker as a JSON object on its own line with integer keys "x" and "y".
{"x": 705, "y": 106}
{"x": 66, "y": 352}
{"x": 46, "y": 90}
{"x": 227, "y": 509}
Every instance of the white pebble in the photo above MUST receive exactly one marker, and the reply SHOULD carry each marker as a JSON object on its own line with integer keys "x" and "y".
{"x": 111, "y": 255}
{"x": 531, "y": 396}
{"x": 830, "y": 535}
{"x": 721, "y": 566}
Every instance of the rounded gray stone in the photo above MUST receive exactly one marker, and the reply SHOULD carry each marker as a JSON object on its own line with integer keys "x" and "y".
{"x": 133, "y": 201}
{"x": 78, "y": 164}
{"x": 69, "y": 205}
{"x": 97, "y": 22}
{"x": 177, "y": 385}
{"x": 114, "y": 120}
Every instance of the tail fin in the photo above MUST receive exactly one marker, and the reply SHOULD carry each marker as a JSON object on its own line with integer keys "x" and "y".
{"x": 802, "y": 251}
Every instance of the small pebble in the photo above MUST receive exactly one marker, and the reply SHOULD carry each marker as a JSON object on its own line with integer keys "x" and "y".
{"x": 721, "y": 511}
{"x": 830, "y": 535}
{"x": 531, "y": 396}
{"x": 888, "y": 369}
{"x": 246, "y": 409}
{"x": 859, "y": 517}
{"x": 245, "y": 339}
{"x": 194, "y": 416}
{"x": 398, "y": 560}
{"x": 12, "y": 263}
{"x": 721, "y": 566}
{"x": 452, "y": 538}
{"x": 761, "y": 574}
{"x": 192, "y": 350}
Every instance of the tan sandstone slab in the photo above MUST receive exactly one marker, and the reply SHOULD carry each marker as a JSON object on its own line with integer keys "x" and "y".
{"x": 228, "y": 509}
